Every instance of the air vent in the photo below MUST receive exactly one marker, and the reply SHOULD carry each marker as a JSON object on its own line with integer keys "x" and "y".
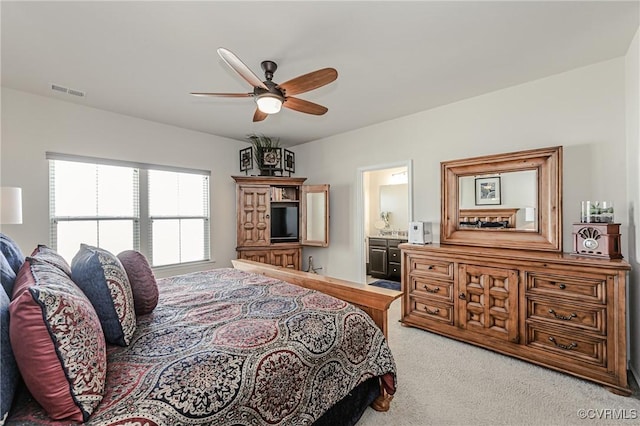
{"x": 59, "y": 88}
{"x": 66, "y": 90}
{"x": 76, "y": 92}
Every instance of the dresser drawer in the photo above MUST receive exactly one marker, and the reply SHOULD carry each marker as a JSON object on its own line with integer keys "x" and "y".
{"x": 431, "y": 289}
{"x": 574, "y": 346}
{"x": 430, "y": 267}
{"x": 434, "y": 311}
{"x": 588, "y": 289}
{"x": 586, "y": 318}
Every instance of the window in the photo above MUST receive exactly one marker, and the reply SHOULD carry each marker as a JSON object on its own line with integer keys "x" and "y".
{"x": 179, "y": 216}
{"x": 160, "y": 211}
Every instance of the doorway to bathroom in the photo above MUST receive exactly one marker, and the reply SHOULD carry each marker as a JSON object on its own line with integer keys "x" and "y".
{"x": 384, "y": 212}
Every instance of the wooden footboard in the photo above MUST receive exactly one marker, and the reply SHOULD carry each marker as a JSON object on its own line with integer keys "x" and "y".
{"x": 374, "y": 301}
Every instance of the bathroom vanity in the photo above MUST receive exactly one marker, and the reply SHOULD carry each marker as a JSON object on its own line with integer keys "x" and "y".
{"x": 384, "y": 257}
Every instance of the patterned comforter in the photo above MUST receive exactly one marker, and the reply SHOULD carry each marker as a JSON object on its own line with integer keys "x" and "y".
{"x": 226, "y": 347}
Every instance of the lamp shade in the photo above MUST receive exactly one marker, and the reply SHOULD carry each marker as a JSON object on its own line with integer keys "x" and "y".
{"x": 11, "y": 205}
{"x": 530, "y": 214}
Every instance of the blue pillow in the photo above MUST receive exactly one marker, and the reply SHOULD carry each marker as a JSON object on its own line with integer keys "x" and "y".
{"x": 100, "y": 275}
{"x": 13, "y": 260}
{"x": 9, "y": 374}
{"x": 7, "y": 276}
{"x": 12, "y": 252}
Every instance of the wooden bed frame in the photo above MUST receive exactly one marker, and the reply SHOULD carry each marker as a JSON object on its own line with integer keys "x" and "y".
{"x": 375, "y": 301}
{"x": 489, "y": 215}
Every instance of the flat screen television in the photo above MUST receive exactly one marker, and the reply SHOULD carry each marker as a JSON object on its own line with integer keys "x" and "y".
{"x": 284, "y": 223}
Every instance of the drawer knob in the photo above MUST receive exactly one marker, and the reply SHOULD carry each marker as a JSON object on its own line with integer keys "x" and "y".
{"x": 462, "y": 296}
{"x": 561, "y": 286}
{"x": 430, "y": 312}
{"x": 573, "y": 345}
{"x": 562, "y": 317}
{"x": 430, "y": 267}
{"x": 431, "y": 290}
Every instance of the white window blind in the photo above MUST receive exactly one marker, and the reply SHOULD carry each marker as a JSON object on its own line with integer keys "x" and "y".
{"x": 99, "y": 202}
{"x": 179, "y": 216}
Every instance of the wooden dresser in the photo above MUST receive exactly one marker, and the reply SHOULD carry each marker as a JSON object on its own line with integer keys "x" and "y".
{"x": 560, "y": 311}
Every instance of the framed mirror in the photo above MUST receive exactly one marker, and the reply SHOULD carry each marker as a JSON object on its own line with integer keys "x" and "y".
{"x": 511, "y": 200}
{"x": 315, "y": 215}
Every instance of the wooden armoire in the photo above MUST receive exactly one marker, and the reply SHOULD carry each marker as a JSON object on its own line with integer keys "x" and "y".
{"x": 277, "y": 216}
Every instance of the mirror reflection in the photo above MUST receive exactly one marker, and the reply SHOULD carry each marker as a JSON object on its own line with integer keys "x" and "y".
{"x": 316, "y": 216}
{"x": 394, "y": 206}
{"x": 504, "y": 196}
{"x": 508, "y": 201}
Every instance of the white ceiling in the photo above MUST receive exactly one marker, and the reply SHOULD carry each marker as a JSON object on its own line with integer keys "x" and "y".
{"x": 393, "y": 58}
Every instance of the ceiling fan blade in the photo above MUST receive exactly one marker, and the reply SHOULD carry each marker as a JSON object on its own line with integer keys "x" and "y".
{"x": 304, "y": 106}
{"x": 239, "y": 67}
{"x": 309, "y": 81}
{"x": 224, "y": 95}
{"x": 259, "y": 115}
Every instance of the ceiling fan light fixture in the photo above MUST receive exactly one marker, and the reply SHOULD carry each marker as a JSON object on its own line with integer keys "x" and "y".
{"x": 269, "y": 103}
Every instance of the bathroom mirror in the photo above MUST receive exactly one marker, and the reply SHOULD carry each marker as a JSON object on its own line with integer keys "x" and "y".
{"x": 394, "y": 200}
{"x": 510, "y": 200}
{"x": 315, "y": 215}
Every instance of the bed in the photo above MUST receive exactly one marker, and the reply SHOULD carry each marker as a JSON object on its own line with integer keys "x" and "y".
{"x": 488, "y": 218}
{"x": 235, "y": 347}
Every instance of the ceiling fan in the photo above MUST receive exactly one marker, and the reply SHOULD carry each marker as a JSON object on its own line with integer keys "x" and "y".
{"x": 270, "y": 97}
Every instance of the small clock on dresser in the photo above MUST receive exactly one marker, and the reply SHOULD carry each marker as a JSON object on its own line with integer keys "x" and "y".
{"x": 597, "y": 239}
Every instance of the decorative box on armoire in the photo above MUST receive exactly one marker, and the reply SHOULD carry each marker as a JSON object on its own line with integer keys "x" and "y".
{"x": 597, "y": 239}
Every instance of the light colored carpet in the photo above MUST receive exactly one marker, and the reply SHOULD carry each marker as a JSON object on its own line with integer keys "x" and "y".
{"x": 445, "y": 382}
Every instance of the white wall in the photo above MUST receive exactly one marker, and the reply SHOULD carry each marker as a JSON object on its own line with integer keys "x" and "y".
{"x": 582, "y": 110}
{"x": 32, "y": 125}
{"x": 633, "y": 191}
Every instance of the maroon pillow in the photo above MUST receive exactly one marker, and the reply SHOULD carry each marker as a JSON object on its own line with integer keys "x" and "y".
{"x": 57, "y": 341}
{"x": 143, "y": 282}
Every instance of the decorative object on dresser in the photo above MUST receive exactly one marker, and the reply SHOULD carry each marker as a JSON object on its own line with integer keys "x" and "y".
{"x": 596, "y": 234}
{"x": 276, "y": 216}
{"x": 420, "y": 232}
{"x": 515, "y": 292}
{"x": 597, "y": 239}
